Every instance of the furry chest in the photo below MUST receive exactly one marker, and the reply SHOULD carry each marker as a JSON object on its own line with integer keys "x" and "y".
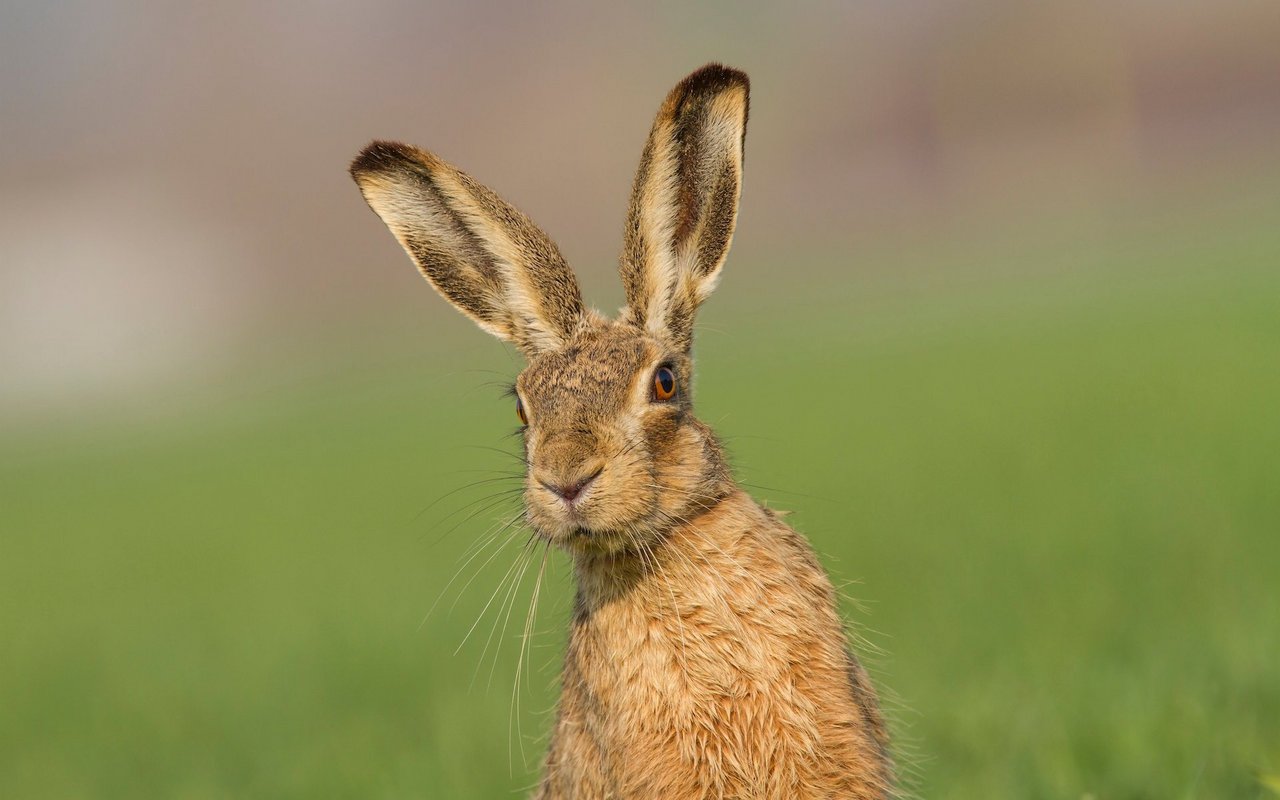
{"x": 701, "y": 691}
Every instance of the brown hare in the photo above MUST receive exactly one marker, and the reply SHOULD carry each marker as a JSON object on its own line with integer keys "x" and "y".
{"x": 706, "y": 657}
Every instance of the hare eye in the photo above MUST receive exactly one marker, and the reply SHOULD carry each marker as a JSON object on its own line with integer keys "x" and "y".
{"x": 524, "y": 418}
{"x": 664, "y": 384}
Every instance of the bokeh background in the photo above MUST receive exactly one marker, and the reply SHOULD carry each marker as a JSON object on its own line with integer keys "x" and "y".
{"x": 1001, "y": 326}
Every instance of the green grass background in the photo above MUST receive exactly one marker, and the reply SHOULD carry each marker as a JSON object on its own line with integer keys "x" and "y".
{"x": 1049, "y": 473}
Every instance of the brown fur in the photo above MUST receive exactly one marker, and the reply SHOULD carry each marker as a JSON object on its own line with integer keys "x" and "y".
{"x": 714, "y": 667}
{"x": 684, "y": 204}
{"x": 706, "y": 657}
{"x": 483, "y": 255}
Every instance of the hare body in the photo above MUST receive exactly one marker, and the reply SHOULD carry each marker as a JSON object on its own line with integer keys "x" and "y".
{"x": 715, "y": 667}
{"x": 706, "y": 658}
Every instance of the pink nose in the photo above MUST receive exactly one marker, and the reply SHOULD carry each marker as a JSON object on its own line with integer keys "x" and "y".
{"x": 570, "y": 491}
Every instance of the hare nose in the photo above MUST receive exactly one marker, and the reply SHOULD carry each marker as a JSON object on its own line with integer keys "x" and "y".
{"x": 570, "y": 491}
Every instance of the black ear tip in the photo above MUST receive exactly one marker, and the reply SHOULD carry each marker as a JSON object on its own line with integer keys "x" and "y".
{"x": 381, "y": 156}
{"x": 713, "y": 78}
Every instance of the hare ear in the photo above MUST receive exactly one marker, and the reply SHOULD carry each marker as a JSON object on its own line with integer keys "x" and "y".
{"x": 685, "y": 201}
{"x": 482, "y": 255}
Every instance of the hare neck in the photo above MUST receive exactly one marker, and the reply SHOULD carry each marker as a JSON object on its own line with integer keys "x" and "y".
{"x": 723, "y": 642}
{"x": 654, "y": 571}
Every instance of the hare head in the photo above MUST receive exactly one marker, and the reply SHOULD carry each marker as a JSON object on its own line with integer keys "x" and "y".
{"x": 615, "y": 456}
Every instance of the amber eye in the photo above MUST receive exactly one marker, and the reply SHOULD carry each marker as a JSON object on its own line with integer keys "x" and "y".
{"x": 524, "y": 419}
{"x": 664, "y": 384}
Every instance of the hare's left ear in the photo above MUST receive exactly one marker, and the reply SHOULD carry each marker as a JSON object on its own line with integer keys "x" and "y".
{"x": 685, "y": 202}
{"x": 480, "y": 253}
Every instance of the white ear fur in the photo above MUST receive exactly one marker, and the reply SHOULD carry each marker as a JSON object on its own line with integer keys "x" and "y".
{"x": 484, "y": 256}
{"x": 685, "y": 201}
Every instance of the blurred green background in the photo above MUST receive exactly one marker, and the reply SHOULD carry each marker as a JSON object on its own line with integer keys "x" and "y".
{"x": 1000, "y": 326}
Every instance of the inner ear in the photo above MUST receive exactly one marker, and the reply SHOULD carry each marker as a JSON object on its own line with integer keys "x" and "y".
{"x": 482, "y": 254}
{"x": 684, "y": 202}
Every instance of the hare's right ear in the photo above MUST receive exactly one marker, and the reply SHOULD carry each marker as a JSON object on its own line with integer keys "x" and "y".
{"x": 481, "y": 254}
{"x": 684, "y": 204}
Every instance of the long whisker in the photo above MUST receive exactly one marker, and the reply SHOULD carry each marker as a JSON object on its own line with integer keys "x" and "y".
{"x": 462, "y": 488}
{"x": 504, "y": 613}
{"x": 506, "y": 453}
{"x": 480, "y": 506}
{"x": 508, "y": 525}
{"x": 686, "y": 492}
{"x": 495, "y": 537}
{"x": 529, "y": 620}
{"x": 786, "y": 492}
{"x": 513, "y": 473}
{"x": 627, "y": 449}
{"x": 510, "y": 571}
{"x": 509, "y": 602}
{"x": 500, "y": 523}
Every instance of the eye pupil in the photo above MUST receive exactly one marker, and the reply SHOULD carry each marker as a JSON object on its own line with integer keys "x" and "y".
{"x": 664, "y": 383}
{"x": 524, "y": 419}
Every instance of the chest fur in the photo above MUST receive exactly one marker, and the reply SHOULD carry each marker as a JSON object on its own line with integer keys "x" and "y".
{"x": 717, "y": 671}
